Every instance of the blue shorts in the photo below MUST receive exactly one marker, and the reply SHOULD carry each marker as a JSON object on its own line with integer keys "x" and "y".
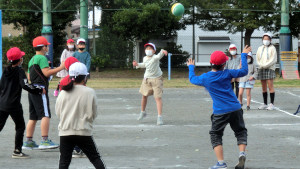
{"x": 246, "y": 85}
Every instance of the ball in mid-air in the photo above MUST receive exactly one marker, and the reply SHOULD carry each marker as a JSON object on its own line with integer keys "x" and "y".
{"x": 177, "y": 9}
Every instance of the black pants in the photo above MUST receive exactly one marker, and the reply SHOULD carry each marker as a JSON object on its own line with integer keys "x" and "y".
{"x": 237, "y": 124}
{"x": 236, "y": 84}
{"x": 87, "y": 145}
{"x": 18, "y": 118}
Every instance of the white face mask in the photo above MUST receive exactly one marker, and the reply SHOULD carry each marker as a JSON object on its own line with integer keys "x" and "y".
{"x": 248, "y": 60}
{"x": 233, "y": 52}
{"x": 148, "y": 52}
{"x": 266, "y": 42}
{"x": 70, "y": 46}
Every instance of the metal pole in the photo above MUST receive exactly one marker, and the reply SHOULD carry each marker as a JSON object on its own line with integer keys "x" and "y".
{"x": 47, "y": 27}
{"x": 169, "y": 66}
{"x": 285, "y": 32}
{"x": 1, "y": 43}
{"x": 84, "y": 31}
{"x": 94, "y": 39}
{"x": 194, "y": 56}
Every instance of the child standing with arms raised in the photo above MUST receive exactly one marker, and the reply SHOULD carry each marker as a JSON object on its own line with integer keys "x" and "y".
{"x": 153, "y": 80}
{"x": 76, "y": 108}
{"x": 70, "y": 49}
{"x": 226, "y": 108}
{"x": 11, "y": 84}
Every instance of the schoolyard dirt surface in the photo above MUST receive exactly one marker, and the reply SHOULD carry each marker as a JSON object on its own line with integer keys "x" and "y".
{"x": 182, "y": 142}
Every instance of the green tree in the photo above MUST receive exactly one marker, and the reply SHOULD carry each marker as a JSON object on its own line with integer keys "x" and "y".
{"x": 30, "y": 19}
{"x": 233, "y": 20}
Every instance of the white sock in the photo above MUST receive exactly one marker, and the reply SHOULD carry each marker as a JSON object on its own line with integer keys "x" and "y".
{"x": 221, "y": 162}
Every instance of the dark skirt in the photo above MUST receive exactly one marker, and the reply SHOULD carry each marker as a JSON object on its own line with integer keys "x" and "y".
{"x": 265, "y": 74}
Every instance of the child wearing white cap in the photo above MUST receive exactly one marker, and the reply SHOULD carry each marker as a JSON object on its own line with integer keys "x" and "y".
{"x": 247, "y": 82}
{"x": 76, "y": 108}
{"x": 82, "y": 56}
{"x": 153, "y": 81}
{"x": 266, "y": 57}
{"x": 233, "y": 63}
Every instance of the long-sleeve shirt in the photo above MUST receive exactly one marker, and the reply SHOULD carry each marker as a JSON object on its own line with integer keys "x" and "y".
{"x": 65, "y": 54}
{"x": 84, "y": 58}
{"x": 233, "y": 63}
{"x": 252, "y": 72}
{"x": 152, "y": 65}
{"x": 11, "y": 85}
{"x": 218, "y": 85}
{"x": 266, "y": 57}
{"x": 76, "y": 110}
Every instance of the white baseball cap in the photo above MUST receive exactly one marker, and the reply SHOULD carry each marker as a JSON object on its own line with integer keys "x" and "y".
{"x": 80, "y": 40}
{"x": 267, "y": 34}
{"x": 77, "y": 69}
{"x": 250, "y": 54}
{"x": 150, "y": 44}
{"x": 232, "y": 46}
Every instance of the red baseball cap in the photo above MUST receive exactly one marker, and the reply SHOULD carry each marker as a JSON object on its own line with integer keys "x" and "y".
{"x": 232, "y": 46}
{"x": 150, "y": 44}
{"x": 14, "y": 54}
{"x": 40, "y": 41}
{"x": 218, "y": 58}
{"x": 70, "y": 41}
{"x": 69, "y": 61}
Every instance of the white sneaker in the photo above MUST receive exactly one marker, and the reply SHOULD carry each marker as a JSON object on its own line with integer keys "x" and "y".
{"x": 142, "y": 115}
{"x": 263, "y": 107}
{"x": 271, "y": 107}
{"x": 159, "y": 121}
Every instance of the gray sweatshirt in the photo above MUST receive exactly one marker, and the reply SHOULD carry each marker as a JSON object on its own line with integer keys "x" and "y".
{"x": 233, "y": 63}
{"x": 252, "y": 72}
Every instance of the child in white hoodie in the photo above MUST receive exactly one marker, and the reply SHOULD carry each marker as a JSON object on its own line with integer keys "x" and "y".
{"x": 76, "y": 107}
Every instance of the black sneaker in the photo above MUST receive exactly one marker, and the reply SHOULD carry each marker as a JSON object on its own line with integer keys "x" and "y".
{"x": 241, "y": 161}
{"x": 20, "y": 155}
{"x": 248, "y": 107}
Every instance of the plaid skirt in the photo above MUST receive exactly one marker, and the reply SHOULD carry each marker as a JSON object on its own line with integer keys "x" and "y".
{"x": 265, "y": 74}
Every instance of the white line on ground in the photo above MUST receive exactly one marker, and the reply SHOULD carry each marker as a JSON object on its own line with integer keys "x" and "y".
{"x": 276, "y": 108}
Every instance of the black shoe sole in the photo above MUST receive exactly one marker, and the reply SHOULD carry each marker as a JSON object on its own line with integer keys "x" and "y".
{"x": 241, "y": 164}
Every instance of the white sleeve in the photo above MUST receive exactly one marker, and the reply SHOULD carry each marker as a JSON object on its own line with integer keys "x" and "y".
{"x": 159, "y": 55}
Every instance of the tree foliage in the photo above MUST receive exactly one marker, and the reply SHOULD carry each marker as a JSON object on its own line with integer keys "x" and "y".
{"x": 256, "y": 14}
{"x": 32, "y": 21}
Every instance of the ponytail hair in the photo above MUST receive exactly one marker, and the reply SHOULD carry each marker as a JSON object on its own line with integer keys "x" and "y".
{"x": 73, "y": 79}
{"x": 12, "y": 63}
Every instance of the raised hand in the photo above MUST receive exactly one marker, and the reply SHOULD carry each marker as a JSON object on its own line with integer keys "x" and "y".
{"x": 247, "y": 49}
{"x": 190, "y": 62}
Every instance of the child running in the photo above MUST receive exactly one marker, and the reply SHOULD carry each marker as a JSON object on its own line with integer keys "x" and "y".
{"x": 70, "y": 49}
{"x": 226, "y": 108}
{"x": 248, "y": 81}
{"x": 12, "y": 81}
{"x": 153, "y": 81}
{"x": 38, "y": 73}
{"x": 233, "y": 63}
{"x": 76, "y": 108}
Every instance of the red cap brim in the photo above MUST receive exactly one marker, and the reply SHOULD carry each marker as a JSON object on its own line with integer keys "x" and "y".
{"x": 22, "y": 53}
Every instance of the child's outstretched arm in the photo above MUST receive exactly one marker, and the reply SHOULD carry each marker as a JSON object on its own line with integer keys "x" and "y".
{"x": 196, "y": 80}
{"x": 244, "y": 70}
{"x": 138, "y": 65}
{"x": 23, "y": 81}
{"x": 161, "y": 54}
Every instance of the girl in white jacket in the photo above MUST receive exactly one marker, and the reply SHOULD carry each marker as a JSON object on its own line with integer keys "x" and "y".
{"x": 266, "y": 57}
{"x": 76, "y": 108}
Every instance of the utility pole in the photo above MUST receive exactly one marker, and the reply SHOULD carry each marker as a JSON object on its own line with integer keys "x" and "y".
{"x": 47, "y": 27}
{"x": 84, "y": 31}
{"x": 94, "y": 39}
{"x": 194, "y": 56}
{"x": 285, "y": 32}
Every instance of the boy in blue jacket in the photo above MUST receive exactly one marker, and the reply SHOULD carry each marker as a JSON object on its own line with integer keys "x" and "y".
{"x": 226, "y": 107}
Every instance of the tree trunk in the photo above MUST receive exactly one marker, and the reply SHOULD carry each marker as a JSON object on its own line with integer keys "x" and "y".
{"x": 248, "y": 33}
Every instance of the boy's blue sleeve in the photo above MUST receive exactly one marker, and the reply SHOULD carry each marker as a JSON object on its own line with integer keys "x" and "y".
{"x": 88, "y": 62}
{"x": 236, "y": 73}
{"x": 196, "y": 80}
